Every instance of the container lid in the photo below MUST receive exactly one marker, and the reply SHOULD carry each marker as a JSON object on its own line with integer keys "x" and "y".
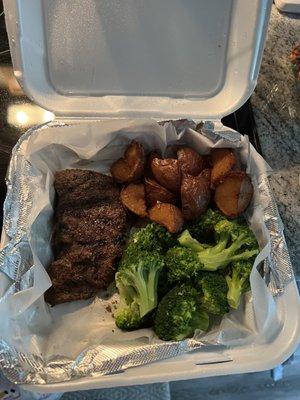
{"x": 163, "y": 59}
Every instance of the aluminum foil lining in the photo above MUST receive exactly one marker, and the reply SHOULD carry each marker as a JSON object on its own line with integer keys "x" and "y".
{"x": 278, "y": 270}
{"x": 102, "y": 360}
{"x": 17, "y": 263}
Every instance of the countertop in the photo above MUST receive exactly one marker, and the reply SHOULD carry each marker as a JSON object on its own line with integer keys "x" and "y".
{"x": 276, "y": 105}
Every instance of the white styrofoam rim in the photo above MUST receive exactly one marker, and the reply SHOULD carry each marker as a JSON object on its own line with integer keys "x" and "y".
{"x": 290, "y": 6}
{"x": 245, "y": 359}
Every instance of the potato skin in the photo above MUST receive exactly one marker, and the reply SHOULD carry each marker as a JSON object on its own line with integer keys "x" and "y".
{"x": 157, "y": 193}
{"x": 223, "y": 160}
{"x": 167, "y": 173}
{"x": 190, "y": 162}
{"x": 168, "y": 216}
{"x": 233, "y": 195}
{"x": 131, "y": 166}
{"x": 207, "y": 161}
{"x": 195, "y": 196}
{"x": 206, "y": 173}
{"x": 148, "y": 171}
{"x": 134, "y": 199}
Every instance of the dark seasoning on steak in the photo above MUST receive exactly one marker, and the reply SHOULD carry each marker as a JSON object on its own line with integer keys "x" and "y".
{"x": 90, "y": 225}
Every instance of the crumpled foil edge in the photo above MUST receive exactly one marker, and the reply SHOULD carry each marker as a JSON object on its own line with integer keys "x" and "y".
{"x": 278, "y": 270}
{"x": 102, "y": 360}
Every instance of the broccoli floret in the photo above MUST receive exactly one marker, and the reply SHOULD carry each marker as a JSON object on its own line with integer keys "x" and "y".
{"x": 214, "y": 289}
{"x": 151, "y": 238}
{"x": 186, "y": 240}
{"x": 128, "y": 317}
{"x": 137, "y": 285}
{"x": 234, "y": 241}
{"x": 164, "y": 284}
{"x": 179, "y": 314}
{"x": 235, "y": 228}
{"x": 203, "y": 228}
{"x": 182, "y": 264}
{"x": 238, "y": 281}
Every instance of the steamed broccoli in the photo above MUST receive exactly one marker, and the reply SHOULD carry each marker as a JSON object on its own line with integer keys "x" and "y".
{"x": 137, "y": 285}
{"x": 214, "y": 289}
{"x": 182, "y": 264}
{"x": 234, "y": 241}
{"x": 128, "y": 317}
{"x": 164, "y": 283}
{"x": 179, "y": 314}
{"x": 238, "y": 281}
{"x": 186, "y": 240}
{"x": 151, "y": 238}
{"x": 203, "y": 228}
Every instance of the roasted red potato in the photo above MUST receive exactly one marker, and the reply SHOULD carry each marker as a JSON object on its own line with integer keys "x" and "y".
{"x": 168, "y": 216}
{"x": 133, "y": 197}
{"x": 131, "y": 166}
{"x": 207, "y": 161}
{"x": 190, "y": 162}
{"x": 195, "y": 196}
{"x": 167, "y": 173}
{"x": 206, "y": 173}
{"x": 234, "y": 193}
{"x": 223, "y": 160}
{"x": 148, "y": 171}
{"x": 157, "y": 193}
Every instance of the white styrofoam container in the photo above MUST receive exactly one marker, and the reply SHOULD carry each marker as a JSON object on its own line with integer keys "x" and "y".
{"x": 158, "y": 59}
{"x": 289, "y": 6}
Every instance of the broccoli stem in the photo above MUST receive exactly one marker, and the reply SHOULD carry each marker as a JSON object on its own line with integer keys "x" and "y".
{"x": 235, "y": 289}
{"x": 186, "y": 240}
{"x": 152, "y": 287}
{"x": 245, "y": 255}
{"x": 223, "y": 240}
{"x": 146, "y": 302}
{"x": 218, "y": 256}
{"x": 216, "y": 261}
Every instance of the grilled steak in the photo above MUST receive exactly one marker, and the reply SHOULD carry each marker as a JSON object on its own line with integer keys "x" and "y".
{"x": 77, "y": 188}
{"x": 83, "y": 225}
{"x": 64, "y": 293}
{"x": 90, "y": 223}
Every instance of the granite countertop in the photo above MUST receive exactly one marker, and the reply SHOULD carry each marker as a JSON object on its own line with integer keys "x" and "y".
{"x": 276, "y": 105}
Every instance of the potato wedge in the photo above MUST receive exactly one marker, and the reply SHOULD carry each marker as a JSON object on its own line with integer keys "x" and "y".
{"x": 190, "y": 162}
{"x": 148, "y": 171}
{"x": 195, "y": 196}
{"x": 168, "y": 216}
{"x": 223, "y": 160}
{"x": 207, "y": 161}
{"x": 167, "y": 173}
{"x": 134, "y": 199}
{"x": 157, "y": 193}
{"x": 206, "y": 173}
{"x": 131, "y": 166}
{"x": 234, "y": 194}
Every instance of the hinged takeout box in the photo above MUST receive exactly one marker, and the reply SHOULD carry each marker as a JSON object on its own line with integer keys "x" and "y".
{"x": 139, "y": 59}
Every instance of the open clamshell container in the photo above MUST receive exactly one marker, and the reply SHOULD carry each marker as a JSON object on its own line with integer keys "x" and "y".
{"x": 164, "y": 60}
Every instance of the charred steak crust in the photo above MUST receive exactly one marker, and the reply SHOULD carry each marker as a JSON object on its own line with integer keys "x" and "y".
{"x": 77, "y": 188}
{"x": 90, "y": 224}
